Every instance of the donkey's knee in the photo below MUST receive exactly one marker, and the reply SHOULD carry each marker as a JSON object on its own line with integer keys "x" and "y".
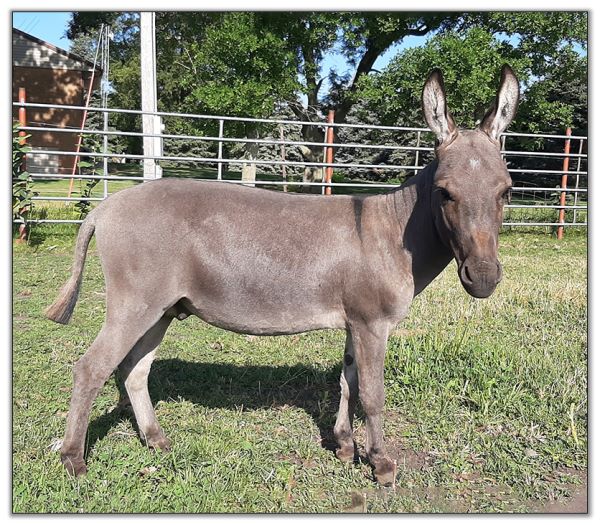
{"x": 90, "y": 375}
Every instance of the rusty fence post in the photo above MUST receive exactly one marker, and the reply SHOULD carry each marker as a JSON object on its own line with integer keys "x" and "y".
{"x": 563, "y": 185}
{"x": 22, "y": 141}
{"x": 22, "y": 117}
{"x": 329, "y": 152}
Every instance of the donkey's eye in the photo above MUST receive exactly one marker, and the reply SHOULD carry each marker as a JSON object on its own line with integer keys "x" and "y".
{"x": 446, "y": 197}
{"x": 505, "y": 197}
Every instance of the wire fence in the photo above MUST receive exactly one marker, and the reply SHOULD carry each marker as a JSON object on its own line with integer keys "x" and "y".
{"x": 549, "y": 177}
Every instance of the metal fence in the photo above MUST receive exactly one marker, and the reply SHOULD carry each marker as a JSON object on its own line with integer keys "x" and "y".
{"x": 541, "y": 196}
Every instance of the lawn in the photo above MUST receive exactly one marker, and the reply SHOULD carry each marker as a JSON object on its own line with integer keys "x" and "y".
{"x": 486, "y": 401}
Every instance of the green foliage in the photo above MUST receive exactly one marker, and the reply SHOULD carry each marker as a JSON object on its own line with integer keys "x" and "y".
{"x": 242, "y": 68}
{"x": 89, "y": 167}
{"x": 22, "y": 182}
{"x": 470, "y": 62}
{"x": 255, "y": 63}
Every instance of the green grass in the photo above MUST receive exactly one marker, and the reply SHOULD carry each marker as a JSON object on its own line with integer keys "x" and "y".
{"x": 482, "y": 400}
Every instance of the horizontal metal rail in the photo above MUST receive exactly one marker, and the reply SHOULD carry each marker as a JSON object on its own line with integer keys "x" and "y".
{"x": 556, "y": 190}
{"x": 278, "y": 142}
{"x": 544, "y": 224}
{"x": 266, "y": 121}
{"x": 283, "y": 183}
{"x": 67, "y": 199}
{"x": 209, "y": 160}
{"x": 544, "y": 135}
{"x": 230, "y": 139}
{"x": 266, "y": 183}
{"x": 200, "y": 116}
{"x": 548, "y": 206}
{"x": 79, "y": 221}
{"x": 84, "y": 177}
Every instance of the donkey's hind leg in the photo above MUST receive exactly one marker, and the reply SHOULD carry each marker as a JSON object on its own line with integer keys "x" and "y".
{"x": 117, "y": 337}
{"x": 349, "y": 385}
{"x": 134, "y": 371}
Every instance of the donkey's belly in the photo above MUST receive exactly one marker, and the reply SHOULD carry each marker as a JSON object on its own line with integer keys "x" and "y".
{"x": 266, "y": 319}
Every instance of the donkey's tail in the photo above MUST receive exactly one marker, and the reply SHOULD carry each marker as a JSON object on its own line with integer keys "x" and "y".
{"x": 62, "y": 308}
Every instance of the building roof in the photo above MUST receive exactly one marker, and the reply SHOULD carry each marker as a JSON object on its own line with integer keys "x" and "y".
{"x": 30, "y": 51}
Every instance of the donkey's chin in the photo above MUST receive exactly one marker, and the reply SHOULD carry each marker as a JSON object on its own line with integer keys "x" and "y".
{"x": 479, "y": 290}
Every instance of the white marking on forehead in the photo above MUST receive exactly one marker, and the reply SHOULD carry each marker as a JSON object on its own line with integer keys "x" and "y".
{"x": 474, "y": 163}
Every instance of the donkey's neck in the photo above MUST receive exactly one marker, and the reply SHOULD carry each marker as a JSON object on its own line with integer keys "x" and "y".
{"x": 420, "y": 239}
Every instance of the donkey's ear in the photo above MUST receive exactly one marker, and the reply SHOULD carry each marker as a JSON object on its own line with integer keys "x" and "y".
{"x": 435, "y": 109}
{"x": 504, "y": 108}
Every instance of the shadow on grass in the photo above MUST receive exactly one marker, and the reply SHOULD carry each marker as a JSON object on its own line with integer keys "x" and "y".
{"x": 222, "y": 385}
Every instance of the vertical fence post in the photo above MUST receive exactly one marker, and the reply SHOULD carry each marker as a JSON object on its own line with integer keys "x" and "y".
{"x": 22, "y": 118}
{"x": 577, "y": 181}
{"x": 417, "y": 152}
{"x": 22, "y": 141}
{"x": 283, "y": 167}
{"x": 105, "y": 159}
{"x": 563, "y": 184}
{"x": 220, "y": 151}
{"x": 329, "y": 151}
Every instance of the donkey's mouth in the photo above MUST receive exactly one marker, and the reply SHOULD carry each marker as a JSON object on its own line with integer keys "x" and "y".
{"x": 479, "y": 277}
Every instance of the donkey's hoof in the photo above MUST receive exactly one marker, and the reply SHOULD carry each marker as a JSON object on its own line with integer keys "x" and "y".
{"x": 345, "y": 454}
{"x": 75, "y": 466}
{"x": 159, "y": 443}
{"x": 385, "y": 473}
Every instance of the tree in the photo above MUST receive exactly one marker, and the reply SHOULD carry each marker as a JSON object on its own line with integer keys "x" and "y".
{"x": 250, "y": 63}
{"x": 470, "y": 61}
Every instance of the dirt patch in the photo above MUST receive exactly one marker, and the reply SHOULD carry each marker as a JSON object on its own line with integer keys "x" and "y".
{"x": 408, "y": 459}
{"x": 576, "y": 503}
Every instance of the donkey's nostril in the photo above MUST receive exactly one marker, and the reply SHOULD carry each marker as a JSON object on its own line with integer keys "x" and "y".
{"x": 466, "y": 276}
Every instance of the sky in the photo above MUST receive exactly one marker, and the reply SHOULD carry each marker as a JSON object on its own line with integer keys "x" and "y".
{"x": 49, "y": 26}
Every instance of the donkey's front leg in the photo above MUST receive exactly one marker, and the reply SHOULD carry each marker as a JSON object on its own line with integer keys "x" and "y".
{"x": 370, "y": 343}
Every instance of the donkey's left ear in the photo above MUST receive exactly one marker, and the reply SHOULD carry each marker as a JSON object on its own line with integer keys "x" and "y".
{"x": 500, "y": 115}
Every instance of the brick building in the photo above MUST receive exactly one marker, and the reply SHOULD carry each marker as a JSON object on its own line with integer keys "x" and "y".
{"x": 50, "y": 75}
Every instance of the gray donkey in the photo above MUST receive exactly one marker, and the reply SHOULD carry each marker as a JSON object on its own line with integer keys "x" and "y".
{"x": 243, "y": 259}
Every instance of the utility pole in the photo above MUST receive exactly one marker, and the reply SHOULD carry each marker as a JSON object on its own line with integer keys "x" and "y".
{"x": 151, "y": 124}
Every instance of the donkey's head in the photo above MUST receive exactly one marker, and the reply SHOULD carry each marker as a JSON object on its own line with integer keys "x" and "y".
{"x": 471, "y": 182}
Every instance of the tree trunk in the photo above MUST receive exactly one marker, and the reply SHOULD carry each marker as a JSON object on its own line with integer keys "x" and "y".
{"x": 251, "y": 153}
{"x": 312, "y": 154}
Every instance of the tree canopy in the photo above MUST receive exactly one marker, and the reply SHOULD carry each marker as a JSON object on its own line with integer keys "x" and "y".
{"x": 256, "y": 63}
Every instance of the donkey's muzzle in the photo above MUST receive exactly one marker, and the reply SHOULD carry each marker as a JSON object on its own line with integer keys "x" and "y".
{"x": 480, "y": 277}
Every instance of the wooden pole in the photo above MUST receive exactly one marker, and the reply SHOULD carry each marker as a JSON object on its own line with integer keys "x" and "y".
{"x": 563, "y": 184}
{"x": 150, "y": 122}
{"x": 85, "y": 112}
{"x": 329, "y": 152}
{"x": 22, "y": 122}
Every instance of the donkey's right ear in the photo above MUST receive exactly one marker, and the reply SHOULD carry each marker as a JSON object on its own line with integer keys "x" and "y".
{"x": 435, "y": 109}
